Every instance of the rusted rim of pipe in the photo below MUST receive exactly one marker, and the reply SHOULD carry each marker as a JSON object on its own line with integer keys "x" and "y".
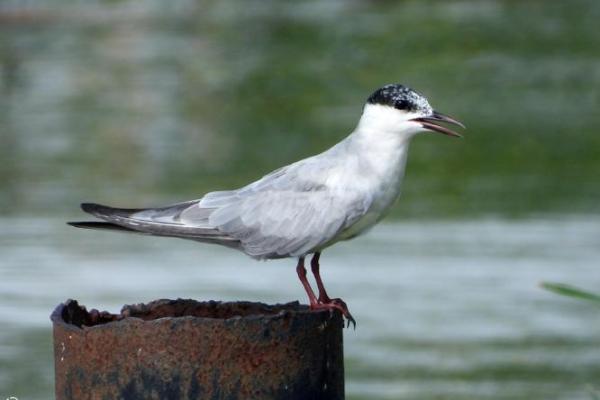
{"x": 71, "y": 315}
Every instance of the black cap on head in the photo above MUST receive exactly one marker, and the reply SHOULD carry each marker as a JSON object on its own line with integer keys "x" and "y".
{"x": 401, "y": 98}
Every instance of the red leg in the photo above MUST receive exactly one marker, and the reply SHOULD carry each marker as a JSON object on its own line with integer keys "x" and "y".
{"x": 302, "y": 275}
{"x": 314, "y": 266}
{"x": 324, "y": 298}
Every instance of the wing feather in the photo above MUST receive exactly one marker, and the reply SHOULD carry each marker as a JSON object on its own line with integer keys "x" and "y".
{"x": 289, "y": 212}
{"x": 286, "y": 223}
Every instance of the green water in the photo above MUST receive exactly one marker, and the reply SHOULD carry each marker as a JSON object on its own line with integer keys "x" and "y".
{"x": 445, "y": 310}
{"x": 146, "y": 102}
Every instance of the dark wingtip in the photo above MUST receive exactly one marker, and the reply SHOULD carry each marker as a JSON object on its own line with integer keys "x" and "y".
{"x": 99, "y": 210}
{"x": 85, "y": 224}
{"x": 89, "y": 207}
{"x": 98, "y": 225}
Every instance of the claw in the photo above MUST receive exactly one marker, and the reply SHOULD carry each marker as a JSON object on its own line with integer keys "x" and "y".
{"x": 341, "y": 305}
{"x": 350, "y": 320}
{"x": 336, "y": 304}
{"x": 323, "y": 301}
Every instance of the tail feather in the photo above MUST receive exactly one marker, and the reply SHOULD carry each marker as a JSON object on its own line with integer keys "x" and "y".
{"x": 104, "y": 211}
{"x": 152, "y": 221}
{"x": 101, "y": 226}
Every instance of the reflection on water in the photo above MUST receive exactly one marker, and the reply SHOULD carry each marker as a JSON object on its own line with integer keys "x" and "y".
{"x": 445, "y": 309}
{"x": 135, "y": 102}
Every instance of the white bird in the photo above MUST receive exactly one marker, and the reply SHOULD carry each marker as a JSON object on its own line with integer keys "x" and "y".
{"x": 307, "y": 206}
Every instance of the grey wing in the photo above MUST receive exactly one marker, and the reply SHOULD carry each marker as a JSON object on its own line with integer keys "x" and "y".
{"x": 163, "y": 221}
{"x": 272, "y": 224}
{"x": 289, "y": 212}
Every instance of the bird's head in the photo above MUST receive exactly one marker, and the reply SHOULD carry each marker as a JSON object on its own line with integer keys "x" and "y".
{"x": 397, "y": 108}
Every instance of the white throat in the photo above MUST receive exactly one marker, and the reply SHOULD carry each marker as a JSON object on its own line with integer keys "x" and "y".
{"x": 381, "y": 140}
{"x": 379, "y": 149}
{"x": 379, "y": 120}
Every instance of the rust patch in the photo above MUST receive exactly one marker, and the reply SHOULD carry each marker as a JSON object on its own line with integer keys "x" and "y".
{"x": 184, "y": 349}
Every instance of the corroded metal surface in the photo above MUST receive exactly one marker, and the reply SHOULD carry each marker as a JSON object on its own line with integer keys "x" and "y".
{"x": 183, "y": 349}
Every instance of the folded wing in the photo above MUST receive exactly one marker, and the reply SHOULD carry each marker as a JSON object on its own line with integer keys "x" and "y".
{"x": 283, "y": 214}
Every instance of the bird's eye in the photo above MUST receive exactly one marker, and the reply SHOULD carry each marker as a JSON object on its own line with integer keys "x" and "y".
{"x": 404, "y": 105}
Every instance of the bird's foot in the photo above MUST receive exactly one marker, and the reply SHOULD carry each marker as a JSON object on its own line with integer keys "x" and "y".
{"x": 341, "y": 305}
{"x": 335, "y": 304}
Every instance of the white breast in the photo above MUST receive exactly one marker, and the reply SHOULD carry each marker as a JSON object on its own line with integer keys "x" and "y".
{"x": 374, "y": 159}
{"x": 381, "y": 170}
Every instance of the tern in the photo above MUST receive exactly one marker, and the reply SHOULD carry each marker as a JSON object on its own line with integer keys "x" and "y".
{"x": 305, "y": 207}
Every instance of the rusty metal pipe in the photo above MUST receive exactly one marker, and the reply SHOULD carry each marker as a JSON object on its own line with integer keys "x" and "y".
{"x": 184, "y": 349}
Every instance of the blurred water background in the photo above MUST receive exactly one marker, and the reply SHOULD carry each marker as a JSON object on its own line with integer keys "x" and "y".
{"x": 139, "y": 103}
